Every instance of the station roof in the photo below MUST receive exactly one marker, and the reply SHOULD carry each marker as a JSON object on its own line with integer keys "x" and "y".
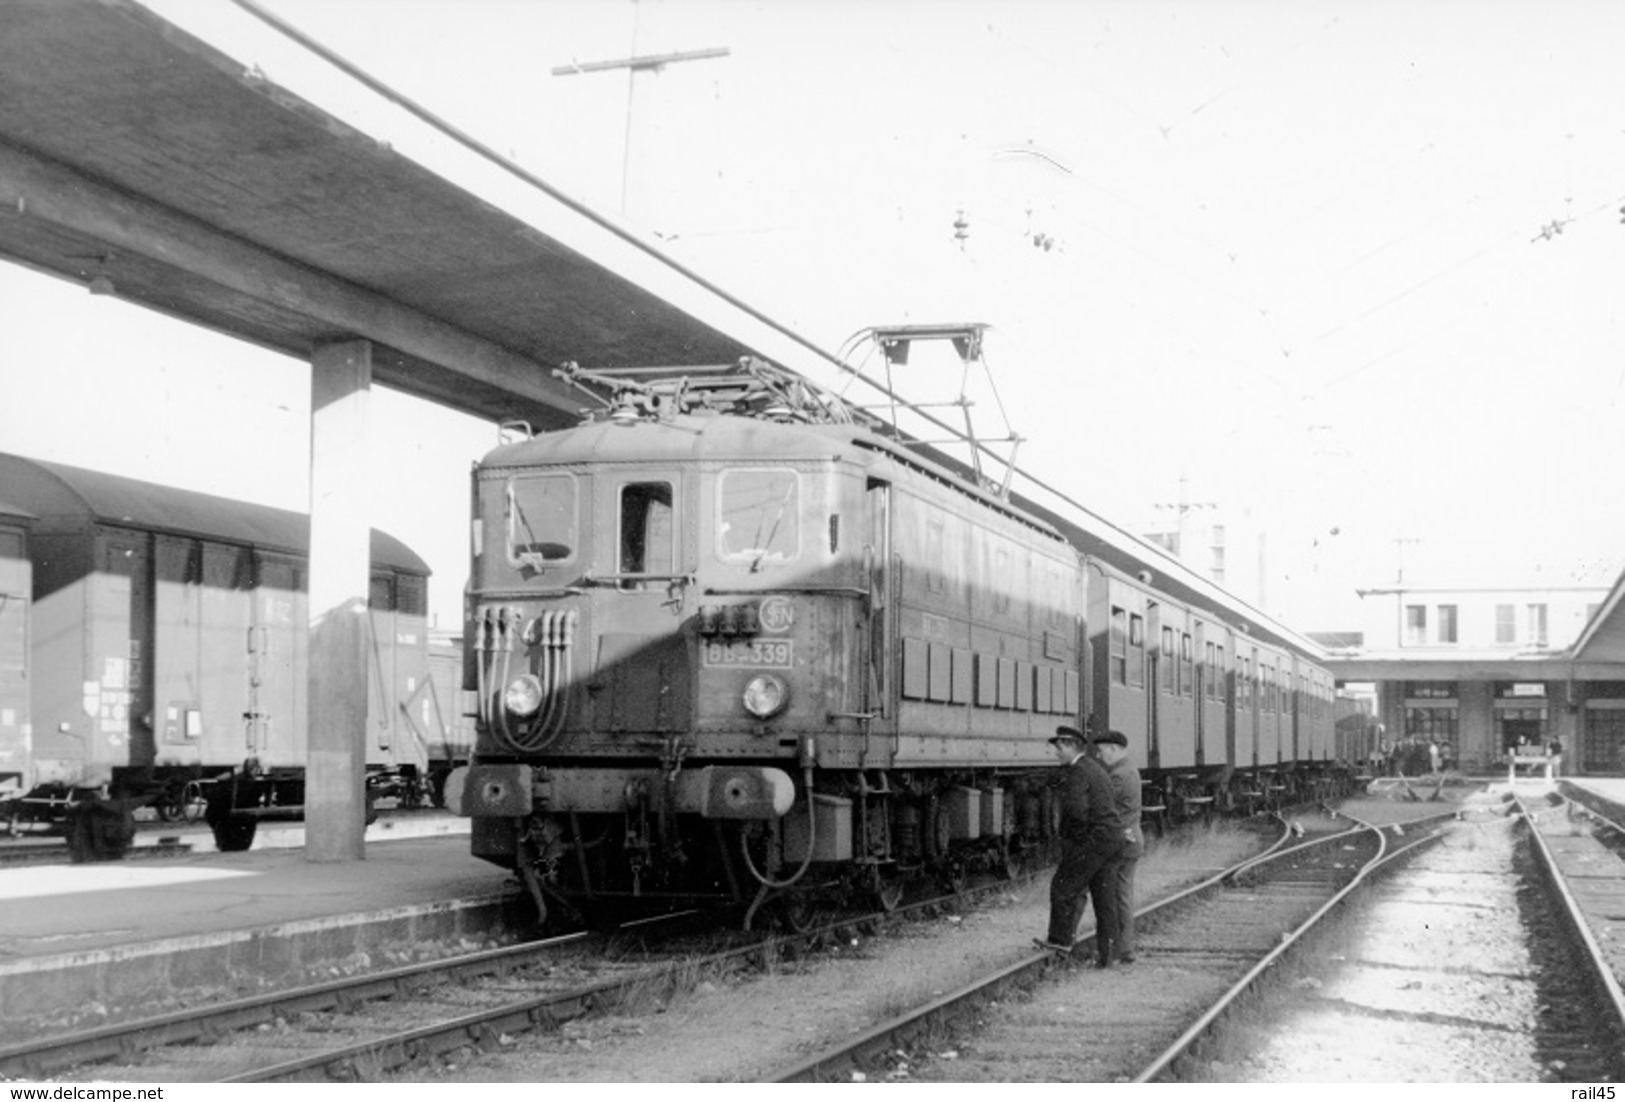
{"x": 140, "y": 160}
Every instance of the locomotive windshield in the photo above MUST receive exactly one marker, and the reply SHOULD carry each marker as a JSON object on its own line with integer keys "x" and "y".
{"x": 541, "y": 519}
{"x": 759, "y": 517}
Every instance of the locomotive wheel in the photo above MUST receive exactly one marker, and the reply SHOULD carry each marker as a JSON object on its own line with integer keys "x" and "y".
{"x": 938, "y": 829}
{"x": 798, "y": 911}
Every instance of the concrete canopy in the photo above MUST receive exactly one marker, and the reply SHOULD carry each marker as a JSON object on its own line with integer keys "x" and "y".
{"x": 141, "y": 161}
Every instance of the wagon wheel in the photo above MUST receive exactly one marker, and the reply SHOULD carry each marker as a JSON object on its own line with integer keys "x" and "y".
{"x": 235, "y": 833}
{"x": 185, "y": 806}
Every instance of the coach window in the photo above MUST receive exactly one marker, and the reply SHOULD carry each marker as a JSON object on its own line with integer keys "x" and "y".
{"x": 1119, "y": 647}
{"x": 1220, "y": 675}
{"x": 759, "y": 518}
{"x": 1136, "y": 650}
{"x": 539, "y": 515}
{"x": 1187, "y": 679}
{"x": 1165, "y": 665}
{"x": 647, "y": 544}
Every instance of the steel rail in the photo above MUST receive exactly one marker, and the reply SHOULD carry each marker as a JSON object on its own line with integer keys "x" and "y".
{"x": 539, "y": 1012}
{"x": 1028, "y": 970}
{"x": 1600, "y": 972}
{"x": 897, "y": 1031}
{"x": 1205, "y": 1021}
{"x": 208, "y": 1021}
{"x": 212, "y": 1021}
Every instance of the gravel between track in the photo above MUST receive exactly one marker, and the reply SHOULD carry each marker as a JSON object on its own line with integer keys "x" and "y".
{"x": 741, "y": 1029}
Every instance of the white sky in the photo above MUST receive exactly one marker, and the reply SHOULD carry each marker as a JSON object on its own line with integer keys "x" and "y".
{"x": 1298, "y": 254}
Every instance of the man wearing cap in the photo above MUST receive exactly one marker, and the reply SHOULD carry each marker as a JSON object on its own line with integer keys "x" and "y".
{"x": 1112, "y": 751}
{"x": 1090, "y": 841}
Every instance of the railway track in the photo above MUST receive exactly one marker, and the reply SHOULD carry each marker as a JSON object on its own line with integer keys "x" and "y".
{"x": 366, "y": 1026}
{"x": 1200, "y": 950}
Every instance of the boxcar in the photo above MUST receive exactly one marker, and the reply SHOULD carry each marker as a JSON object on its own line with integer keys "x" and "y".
{"x": 168, "y": 648}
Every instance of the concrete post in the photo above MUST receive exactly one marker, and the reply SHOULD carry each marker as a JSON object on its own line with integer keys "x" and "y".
{"x": 340, "y": 570}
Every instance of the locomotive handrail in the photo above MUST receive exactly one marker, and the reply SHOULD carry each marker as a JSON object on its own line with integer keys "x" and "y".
{"x": 615, "y": 579}
{"x": 808, "y": 590}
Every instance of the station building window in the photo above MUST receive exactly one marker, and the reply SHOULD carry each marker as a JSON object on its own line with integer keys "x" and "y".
{"x": 1506, "y": 624}
{"x": 1416, "y": 625}
{"x": 1447, "y": 623}
{"x": 1537, "y": 624}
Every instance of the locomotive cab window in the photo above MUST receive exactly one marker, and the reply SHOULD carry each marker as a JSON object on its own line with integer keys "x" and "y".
{"x": 647, "y": 545}
{"x": 540, "y": 520}
{"x": 759, "y": 517}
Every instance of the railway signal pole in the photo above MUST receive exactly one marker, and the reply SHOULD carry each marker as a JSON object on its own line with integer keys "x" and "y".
{"x": 637, "y": 65}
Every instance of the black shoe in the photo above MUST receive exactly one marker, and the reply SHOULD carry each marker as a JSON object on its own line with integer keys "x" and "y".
{"x": 1126, "y": 958}
{"x": 1103, "y": 962}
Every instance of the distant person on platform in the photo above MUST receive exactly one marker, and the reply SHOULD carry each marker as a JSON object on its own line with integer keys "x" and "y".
{"x": 1554, "y": 751}
{"x": 1433, "y": 757}
{"x": 1091, "y": 841}
{"x": 1112, "y": 751}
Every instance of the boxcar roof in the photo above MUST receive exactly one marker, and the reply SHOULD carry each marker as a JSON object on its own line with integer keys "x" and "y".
{"x": 56, "y": 494}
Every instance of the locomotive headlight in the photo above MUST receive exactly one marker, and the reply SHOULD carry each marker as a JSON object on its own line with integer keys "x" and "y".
{"x": 523, "y": 696}
{"x": 766, "y": 696}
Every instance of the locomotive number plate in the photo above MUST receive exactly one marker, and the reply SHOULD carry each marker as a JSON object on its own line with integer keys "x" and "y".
{"x": 758, "y": 652}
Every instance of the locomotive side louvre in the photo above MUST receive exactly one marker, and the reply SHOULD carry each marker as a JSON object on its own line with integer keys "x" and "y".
{"x": 16, "y": 596}
{"x": 988, "y": 632}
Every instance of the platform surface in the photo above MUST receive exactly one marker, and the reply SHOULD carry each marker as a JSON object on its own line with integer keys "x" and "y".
{"x": 48, "y": 910}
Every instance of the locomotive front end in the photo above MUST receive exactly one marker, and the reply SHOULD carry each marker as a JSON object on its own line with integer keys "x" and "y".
{"x": 660, "y": 624}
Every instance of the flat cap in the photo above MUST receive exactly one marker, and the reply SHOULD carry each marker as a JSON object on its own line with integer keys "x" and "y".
{"x": 1116, "y": 737}
{"x": 1066, "y": 733}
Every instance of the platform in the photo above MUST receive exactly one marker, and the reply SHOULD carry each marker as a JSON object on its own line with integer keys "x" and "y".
{"x": 1608, "y": 790}
{"x": 82, "y": 945}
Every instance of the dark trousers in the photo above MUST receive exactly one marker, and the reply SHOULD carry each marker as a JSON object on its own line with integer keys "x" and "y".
{"x": 1086, "y": 867}
{"x": 1122, "y": 875}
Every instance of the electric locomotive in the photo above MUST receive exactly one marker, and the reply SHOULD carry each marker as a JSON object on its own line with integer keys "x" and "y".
{"x": 733, "y": 641}
{"x": 729, "y": 643}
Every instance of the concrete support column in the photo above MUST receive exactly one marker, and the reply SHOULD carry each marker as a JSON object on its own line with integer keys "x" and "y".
{"x": 340, "y": 569}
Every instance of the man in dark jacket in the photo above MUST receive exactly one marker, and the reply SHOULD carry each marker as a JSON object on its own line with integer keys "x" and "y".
{"x": 1091, "y": 841}
{"x": 1112, "y": 750}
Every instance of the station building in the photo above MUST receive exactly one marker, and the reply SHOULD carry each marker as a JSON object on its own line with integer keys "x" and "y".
{"x": 1475, "y": 670}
